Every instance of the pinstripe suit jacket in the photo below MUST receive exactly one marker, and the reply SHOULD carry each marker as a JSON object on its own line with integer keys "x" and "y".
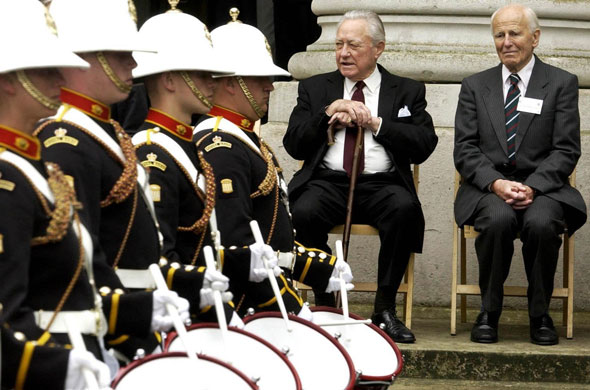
{"x": 547, "y": 145}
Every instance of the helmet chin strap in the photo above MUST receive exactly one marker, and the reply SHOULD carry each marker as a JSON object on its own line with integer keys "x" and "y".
{"x": 250, "y": 98}
{"x": 122, "y": 86}
{"x": 35, "y": 93}
{"x": 198, "y": 94}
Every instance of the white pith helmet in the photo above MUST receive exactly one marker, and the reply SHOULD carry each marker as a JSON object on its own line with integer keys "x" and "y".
{"x": 182, "y": 43}
{"x": 28, "y": 41}
{"x": 98, "y": 25}
{"x": 245, "y": 49}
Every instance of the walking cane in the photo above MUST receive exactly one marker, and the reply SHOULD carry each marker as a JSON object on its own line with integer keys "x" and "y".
{"x": 358, "y": 147}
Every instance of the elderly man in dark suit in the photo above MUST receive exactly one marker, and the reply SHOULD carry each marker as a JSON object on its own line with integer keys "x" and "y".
{"x": 517, "y": 139}
{"x": 397, "y": 132}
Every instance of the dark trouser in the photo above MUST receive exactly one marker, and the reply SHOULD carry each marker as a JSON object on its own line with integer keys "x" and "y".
{"x": 380, "y": 200}
{"x": 540, "y": 226}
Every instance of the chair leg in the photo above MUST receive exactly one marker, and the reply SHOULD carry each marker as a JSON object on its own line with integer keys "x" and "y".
{"x": 454, "y": 283}
{"x": 463, "y": 269}
{"x": 568, "y": 264}
{"x": 408, "y": 299}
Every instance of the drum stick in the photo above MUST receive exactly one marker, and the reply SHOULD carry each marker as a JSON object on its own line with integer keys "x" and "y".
{"x": 78, "y": 343}
{"x": 343, "y": 291}
{"x": 349, "y": 321}
{"x": 271, "y": 276}
{"x": 215, "y": 235}
{"x": 210, "y": 262}
{"x": 173, "y": 312}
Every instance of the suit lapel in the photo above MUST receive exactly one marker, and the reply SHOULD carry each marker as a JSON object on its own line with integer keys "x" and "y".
{"x": 537, "y": 90}
{"x": 387, "y": 96}
{"x": 335, "y": 89}
{"x": 494, "y": 101}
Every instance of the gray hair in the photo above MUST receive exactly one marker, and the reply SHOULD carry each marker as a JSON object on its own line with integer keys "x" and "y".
{"x": 374, "y": 23}
{"x": 530, "y": 15}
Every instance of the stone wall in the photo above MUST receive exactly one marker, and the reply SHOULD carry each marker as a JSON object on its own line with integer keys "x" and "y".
{"x": 433, "y": 266}
{"x": 440, "y": 42}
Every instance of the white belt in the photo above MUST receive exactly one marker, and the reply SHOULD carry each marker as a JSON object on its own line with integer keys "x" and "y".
{"x": 88, "y": 321}
{"x": 285, "y": 259}
{"x": 136, "y": 278}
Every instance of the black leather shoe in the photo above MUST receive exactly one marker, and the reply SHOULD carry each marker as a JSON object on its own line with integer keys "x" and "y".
{"x": 542, "y": 331}
{"x": 393, "y": 326}
{"x": 485, "y": 329}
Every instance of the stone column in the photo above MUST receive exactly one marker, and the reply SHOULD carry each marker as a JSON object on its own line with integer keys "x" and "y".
{"x": 440, "y": 42}
{"x": 444, "y": 41}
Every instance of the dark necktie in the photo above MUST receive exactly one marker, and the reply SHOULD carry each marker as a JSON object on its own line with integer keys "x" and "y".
{"x": 511, "y": 114}
{"x": 350, "y": 138}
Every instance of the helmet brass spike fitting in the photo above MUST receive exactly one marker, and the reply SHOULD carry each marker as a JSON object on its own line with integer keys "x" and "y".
{"x": 173, "y": 5}
{"x": 234, "y": 13}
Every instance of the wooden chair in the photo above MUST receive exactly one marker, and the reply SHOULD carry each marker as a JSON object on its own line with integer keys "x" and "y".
{"x": 407, "y": 286}
{"x": 460, "y": 287}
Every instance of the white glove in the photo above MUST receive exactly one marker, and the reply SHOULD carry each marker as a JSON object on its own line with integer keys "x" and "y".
{"x": 161, "y": 321}
{"x": 79, "y": 360}
{"x": 257, "y": 270}
{"x": 305, "y": 313}
{"x": 236, "y": 321}
{"x": 340, "y": 268}
{"x": 214, "y": 280}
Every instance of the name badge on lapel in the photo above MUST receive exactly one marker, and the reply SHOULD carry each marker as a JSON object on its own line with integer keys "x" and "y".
{"x": 529, "y": 105}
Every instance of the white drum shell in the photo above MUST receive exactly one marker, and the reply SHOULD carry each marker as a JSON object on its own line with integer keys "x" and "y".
{"x": 372, "y": 354}
{"x": 319, "y": 361}
{"x": 170, "y": 371}
{"x": 244, "y": 351}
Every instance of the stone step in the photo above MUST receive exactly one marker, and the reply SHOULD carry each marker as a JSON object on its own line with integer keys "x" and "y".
{"x": 436, "y": 355}
{"x": 446, "y": 384}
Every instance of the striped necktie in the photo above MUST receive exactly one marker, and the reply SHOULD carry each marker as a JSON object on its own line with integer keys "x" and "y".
{"x": 512, "y": 117}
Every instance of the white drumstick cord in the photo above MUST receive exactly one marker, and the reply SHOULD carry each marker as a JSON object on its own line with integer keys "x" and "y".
{"x": 78, "y": 343}
{"x": 219, "y": 310}
{"x": 271, "y": 276}
{"x": 173, "y": 312}
{"x": 343, "y": 291}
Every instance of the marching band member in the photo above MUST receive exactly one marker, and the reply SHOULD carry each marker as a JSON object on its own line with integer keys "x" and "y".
{"x": 179, "y": 84}
{"x": 100, "y": 162}
{"x": 249, "y": 184}
{"x": 45, "y": 253}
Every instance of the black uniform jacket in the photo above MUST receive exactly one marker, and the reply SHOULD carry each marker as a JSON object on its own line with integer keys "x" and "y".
{"x": 34, "y": 276}
{"x": 248, "y": 188}
{"x": 179, "y": 200}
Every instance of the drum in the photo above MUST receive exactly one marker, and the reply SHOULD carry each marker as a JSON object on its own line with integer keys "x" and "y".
{"x": 373, "y": 353}
{"x": 321, "y": 362}
{"x": 173, "y": 370}
{"x": 249, "y": 353}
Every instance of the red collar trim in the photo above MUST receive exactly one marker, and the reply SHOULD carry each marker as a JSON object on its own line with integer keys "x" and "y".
{"x": 232, "y": 116}
{"x": 20, "y": 143}
{"x": 89, "y": 106}
{"x": 165, "y": 121}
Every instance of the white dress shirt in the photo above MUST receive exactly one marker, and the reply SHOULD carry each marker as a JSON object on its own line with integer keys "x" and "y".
{"x": 524, "y": 74}
{"x": 376, "y": 158}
